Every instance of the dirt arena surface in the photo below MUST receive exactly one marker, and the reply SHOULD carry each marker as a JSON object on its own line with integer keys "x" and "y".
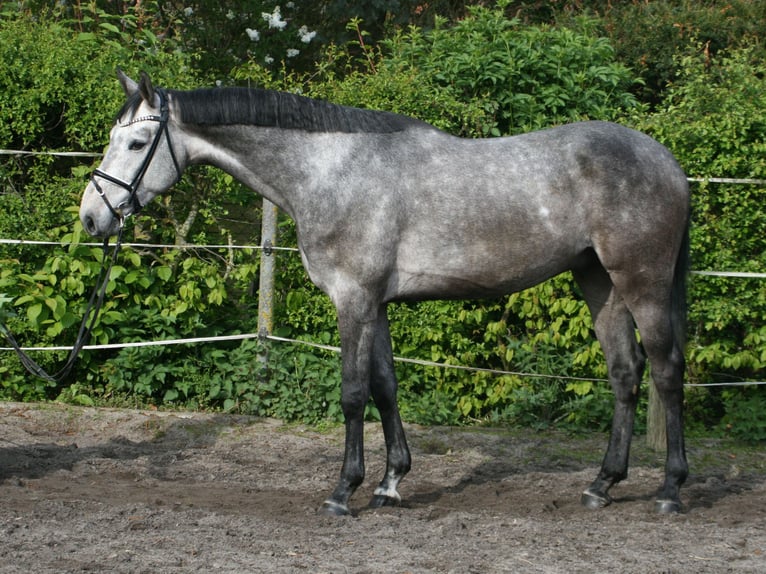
{"x": 107, "y": 490}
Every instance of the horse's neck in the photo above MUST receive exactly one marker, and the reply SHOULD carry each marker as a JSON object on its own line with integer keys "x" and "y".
{"x": 267, "y": 160}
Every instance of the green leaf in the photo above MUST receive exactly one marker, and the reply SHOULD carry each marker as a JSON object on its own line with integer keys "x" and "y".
{"x": 164, "y": 272}
{"x": 34, "y": 312}
{"x": 110, "y": 27}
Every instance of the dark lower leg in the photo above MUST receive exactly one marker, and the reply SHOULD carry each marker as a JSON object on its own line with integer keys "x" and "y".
{"x": 676, "y": 466}
{"x": 397, "y": 461}
{"x": 384, "y": 389}
{"x": 357, "y": 338}
{"x": 615, "y": 330}
{"x": 626, "y": 365}
{"x": 666, "y": 357}
{"x": 614, "y": 467}
{"x": 352, "y": 472}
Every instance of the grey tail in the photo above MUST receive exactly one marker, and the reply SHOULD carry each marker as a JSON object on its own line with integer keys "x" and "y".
{"x": 679, "y": 309}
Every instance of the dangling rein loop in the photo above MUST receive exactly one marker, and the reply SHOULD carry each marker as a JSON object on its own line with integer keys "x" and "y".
{"x": 94, "y": 306}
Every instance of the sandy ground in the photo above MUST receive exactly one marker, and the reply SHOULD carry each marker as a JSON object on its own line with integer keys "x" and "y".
{"x": 106, "y": 490}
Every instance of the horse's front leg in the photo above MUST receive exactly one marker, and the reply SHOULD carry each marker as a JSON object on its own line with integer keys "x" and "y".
{"x": 384, "y": 386}
{"x": 357, "y": 335}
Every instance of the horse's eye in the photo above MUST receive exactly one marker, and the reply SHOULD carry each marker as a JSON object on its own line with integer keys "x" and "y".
{"x": 136, "y": 146}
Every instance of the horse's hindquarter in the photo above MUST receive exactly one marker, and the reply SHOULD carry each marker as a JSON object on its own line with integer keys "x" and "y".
{"x": 500, "y": 215}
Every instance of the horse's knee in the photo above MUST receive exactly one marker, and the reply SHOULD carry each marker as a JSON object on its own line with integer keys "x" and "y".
{"x": 626, "y": 385}
{"x": 353, "y": 401}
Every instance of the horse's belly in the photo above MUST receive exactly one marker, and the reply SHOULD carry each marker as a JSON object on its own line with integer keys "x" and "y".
{"x": 473, "y": 279}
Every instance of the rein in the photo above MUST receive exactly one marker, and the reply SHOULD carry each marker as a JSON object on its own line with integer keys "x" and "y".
{"x": 97, "y": 297}
{"x": 83, "y": 335}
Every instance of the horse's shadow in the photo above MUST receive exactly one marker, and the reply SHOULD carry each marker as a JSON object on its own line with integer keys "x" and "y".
{"x": 702, "y": 490}
{"x": 38, "y": 460}
{"x": 500, "y": 464}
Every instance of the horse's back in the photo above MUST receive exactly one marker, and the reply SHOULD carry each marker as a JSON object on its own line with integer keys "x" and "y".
{"x": 594, "y": 163}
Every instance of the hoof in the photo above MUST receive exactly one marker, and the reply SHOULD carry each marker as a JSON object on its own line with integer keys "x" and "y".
{"x": 667, "y": 506}
{"x": 592, "y": 499}
{"x": 379, "y": 501}
{"x": 330, "y": 508}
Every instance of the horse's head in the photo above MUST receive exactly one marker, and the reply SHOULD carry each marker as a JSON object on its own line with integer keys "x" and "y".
{"x": 139, "y": 164}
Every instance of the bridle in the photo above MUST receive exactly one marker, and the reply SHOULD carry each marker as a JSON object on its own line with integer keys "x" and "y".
{"x": 132, "y": 188}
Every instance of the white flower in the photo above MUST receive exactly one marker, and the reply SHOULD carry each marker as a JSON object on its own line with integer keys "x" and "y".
{"x": 292, "y": 52}
{"x": 268, "y": 60}
{"x": 254, "y": 35}
{"x": 230, "y": 15}
{"x": 305, "y": 35}
{"x": 275, "y": 19}
{"x": 290, "y": 4}
{"x": 188, "y": 11}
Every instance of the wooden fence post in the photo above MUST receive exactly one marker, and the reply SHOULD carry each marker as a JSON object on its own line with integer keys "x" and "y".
{"x": 266, "y": 277}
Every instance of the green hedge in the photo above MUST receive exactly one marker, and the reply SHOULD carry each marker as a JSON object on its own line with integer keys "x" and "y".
{"x": 485, "y": 75}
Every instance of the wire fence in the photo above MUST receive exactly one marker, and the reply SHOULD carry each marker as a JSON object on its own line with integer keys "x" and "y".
{"x": 335, "y": 349}
{"x": 736, "y": 274}
{"x": 332, "y": 348}
{"x": 149, "y": 245}
{"x": 196, "y": 340}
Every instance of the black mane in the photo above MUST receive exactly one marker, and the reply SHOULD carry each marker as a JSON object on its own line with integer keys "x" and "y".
{"x": 268, "y": 108}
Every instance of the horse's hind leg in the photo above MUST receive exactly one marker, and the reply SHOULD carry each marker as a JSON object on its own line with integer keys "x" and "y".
{"x": 667, "y": 363}
{"x": 615, "y": 330}
{"x": 384, "y": 386}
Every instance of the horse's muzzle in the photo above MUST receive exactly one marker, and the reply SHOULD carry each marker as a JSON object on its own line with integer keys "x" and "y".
{"x": 97, "y": 219}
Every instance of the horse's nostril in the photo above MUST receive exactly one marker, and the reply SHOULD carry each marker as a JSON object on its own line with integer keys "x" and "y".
{"x": 90, "y": 225}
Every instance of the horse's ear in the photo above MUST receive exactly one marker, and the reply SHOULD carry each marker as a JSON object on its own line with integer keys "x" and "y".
{"x": 129, "y": 86}
{"x": 146, "y": 89}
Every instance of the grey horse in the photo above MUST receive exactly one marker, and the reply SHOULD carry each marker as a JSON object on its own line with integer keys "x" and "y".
{"x": 389, "y": 208}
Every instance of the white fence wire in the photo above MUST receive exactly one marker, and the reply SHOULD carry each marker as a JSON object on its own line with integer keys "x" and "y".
{"x": 738, "y": 274}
